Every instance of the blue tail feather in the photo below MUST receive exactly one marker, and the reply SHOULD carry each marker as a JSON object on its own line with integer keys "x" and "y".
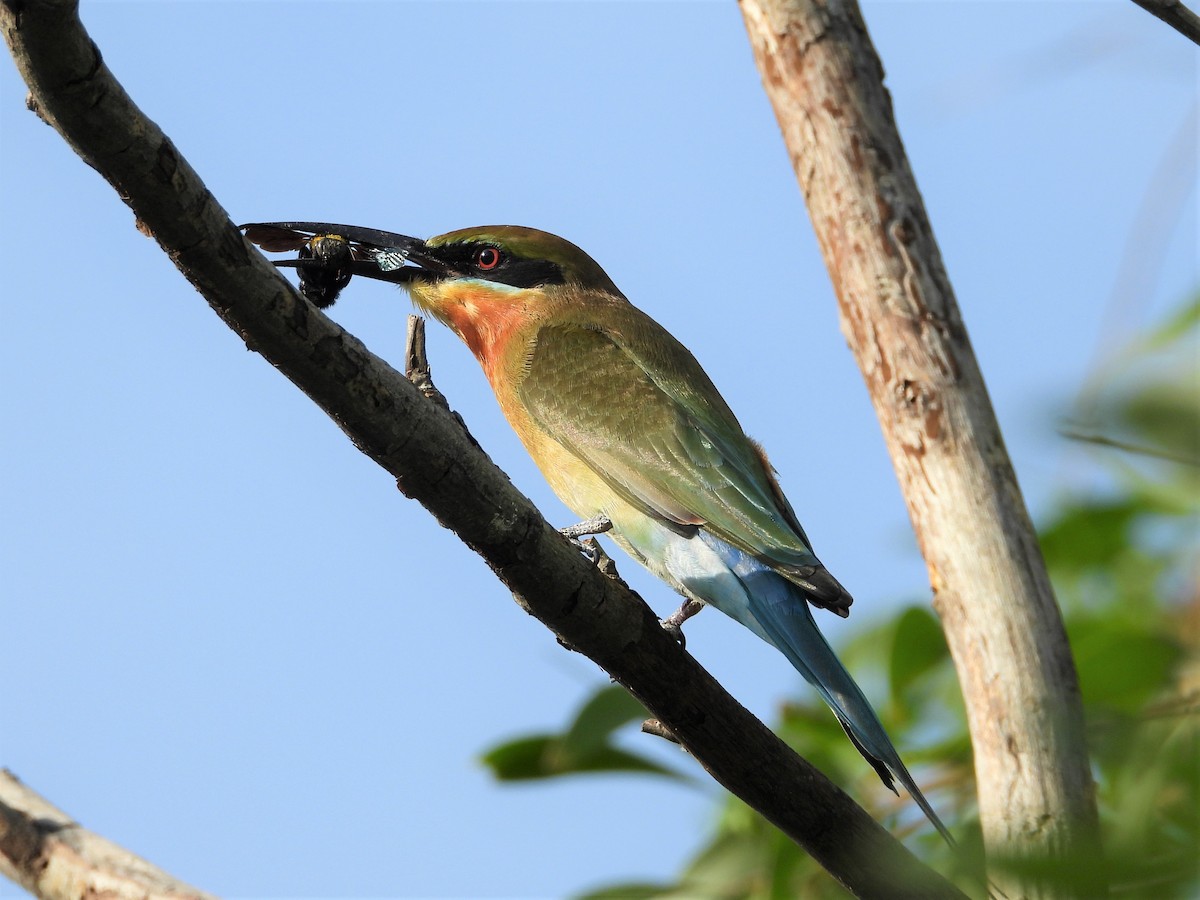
{"x": 780, "y": 613}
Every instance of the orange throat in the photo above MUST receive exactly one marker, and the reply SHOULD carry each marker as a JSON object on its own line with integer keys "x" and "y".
{"x": 485, "y": 318}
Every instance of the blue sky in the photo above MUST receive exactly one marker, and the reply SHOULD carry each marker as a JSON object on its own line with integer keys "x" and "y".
{"x": 233, "y": 646}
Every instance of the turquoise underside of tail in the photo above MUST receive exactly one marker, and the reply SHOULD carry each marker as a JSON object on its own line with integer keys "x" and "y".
{"x": 776, "y": 610}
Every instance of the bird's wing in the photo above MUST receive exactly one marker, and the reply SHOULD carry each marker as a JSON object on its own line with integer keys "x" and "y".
{"x": 634, "y": 405}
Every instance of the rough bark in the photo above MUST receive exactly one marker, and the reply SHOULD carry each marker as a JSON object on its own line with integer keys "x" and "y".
{"x": 50, "y": 855}
{"x": 900, "y": 317}
{"x": 435, "y": 462}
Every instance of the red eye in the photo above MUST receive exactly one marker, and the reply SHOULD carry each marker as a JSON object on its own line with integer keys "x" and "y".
{"x": 487, "y": 258}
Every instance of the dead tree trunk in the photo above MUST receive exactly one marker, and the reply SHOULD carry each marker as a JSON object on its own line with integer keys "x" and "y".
{"x": 899, "y": 314}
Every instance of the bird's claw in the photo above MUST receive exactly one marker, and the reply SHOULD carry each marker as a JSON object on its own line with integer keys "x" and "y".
{"x": 674, "y": 632}
{"x": 595, "y": 525}
{"x": 590, "y": 547}
{"x": 673, "y": 624}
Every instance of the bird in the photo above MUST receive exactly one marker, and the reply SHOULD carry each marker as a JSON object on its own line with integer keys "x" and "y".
{"x": 630, "y": 431}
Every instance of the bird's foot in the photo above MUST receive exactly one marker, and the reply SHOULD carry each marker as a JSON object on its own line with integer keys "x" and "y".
{"x": 673, "y": 624}
{"x": 590, "y": 547}
{"x": 595, "y": 525}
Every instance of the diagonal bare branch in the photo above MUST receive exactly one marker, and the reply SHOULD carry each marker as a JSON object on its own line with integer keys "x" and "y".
{"x": 49, "y": 854}
{"x": 1175, "y": 14}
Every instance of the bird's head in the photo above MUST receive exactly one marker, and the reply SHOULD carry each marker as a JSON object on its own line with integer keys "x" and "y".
{"x": 487, "y": 282}
{"x": 506, "y": 256}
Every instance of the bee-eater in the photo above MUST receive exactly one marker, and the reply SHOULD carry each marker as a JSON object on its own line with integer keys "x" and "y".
{"x": 625, "y": 424}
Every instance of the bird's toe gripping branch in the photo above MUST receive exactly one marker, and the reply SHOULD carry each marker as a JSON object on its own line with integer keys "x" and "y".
{"x": 595, "y": 525}
{"x": 591, "y": 547}
{"x": 673, "y": 624}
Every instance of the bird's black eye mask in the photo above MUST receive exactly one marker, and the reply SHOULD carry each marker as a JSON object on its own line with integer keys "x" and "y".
{"x": 492, "y": 262}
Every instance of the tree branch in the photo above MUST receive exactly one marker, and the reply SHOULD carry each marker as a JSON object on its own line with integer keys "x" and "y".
{"x": 900, "y": 317}
{"x": 436, "y": 463}
{"x": 1175, "y": 14}
{"x": 50, "y": 855}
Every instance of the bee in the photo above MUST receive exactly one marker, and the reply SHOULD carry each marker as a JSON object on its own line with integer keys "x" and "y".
{"x": 330, "y": 255}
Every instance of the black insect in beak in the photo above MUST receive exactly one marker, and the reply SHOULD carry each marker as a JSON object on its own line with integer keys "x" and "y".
{"x": 330, "y": 255}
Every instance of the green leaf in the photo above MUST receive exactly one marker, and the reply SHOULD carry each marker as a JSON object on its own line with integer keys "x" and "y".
{"x": 728, "y": 866}
{"x": 1176, "y": 326}
{"x": 631, "y": 891}
{"x": 614, "y": 759}
{"x": 1166, "y": 416}
{"x": 606, "y": 711}
{"x": 1121, "y": 666}
{"x": 918, "y": 646}
{"x": 521, "y": 759}
{"x": 544, "y": 756}
{"x": 585, "y": 746}
{"x": 1089, "y": 535}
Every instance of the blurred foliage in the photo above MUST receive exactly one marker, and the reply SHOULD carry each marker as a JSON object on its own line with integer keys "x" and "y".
{"x": 585, "y": 746}
{"x": 1123, "y": 561}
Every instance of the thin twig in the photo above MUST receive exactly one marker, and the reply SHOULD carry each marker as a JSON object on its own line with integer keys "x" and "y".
{"x": 416, "y": 363}
{"x": 418, "y": 371}
{"x": 655, "y": 727}
{"x": 1127, "y": 446}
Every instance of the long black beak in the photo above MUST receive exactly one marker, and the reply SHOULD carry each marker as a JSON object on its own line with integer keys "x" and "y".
{"x": 329, "y": 254}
